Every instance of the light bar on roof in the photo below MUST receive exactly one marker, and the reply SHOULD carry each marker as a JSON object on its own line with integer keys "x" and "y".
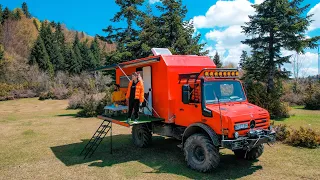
{"x": 221, "y": 73}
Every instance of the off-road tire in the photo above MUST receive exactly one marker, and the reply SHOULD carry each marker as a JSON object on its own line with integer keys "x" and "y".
{"x": 141, "y": 135}
{"x": 255, "y": 153}
{"x": 200, "y": 153}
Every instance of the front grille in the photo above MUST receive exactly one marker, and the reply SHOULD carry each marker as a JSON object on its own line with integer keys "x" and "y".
{"x": 259, "y": 123}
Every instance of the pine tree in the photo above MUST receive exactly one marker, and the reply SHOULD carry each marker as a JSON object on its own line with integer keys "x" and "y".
{"x": 47, "y": 36}
{"x": 53, "y": 46}
{"x": 216, "y": 60}
{"x": 277, "y": 24}
{"x": 59, "y": 35}
{"x": 77, "y": 52}
{"x": 96, "y": 51}
{"x": 40, "y": 56}
{"x": 57, "y": 58}
{"x": 176, "y": 33}
{"x": 17, "y": 14}
{"x": 6, "y": 14}
{"x": 72, "y": 64}
{"x": 59, "y": 48}
{"x": 25, "y": 10}
{"x": 53, "y": 24}
{"x": 89, "y": 61}
{"x": 149, "y": 36}
{"x": 125, "y": 37}
{"x": 1, "y": 14}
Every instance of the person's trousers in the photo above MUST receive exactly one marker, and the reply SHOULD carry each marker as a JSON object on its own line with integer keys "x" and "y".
{"x": 133, "y": 106}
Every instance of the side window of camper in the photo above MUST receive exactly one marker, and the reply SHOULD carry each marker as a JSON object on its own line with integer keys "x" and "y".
{"x": 124, "y": 82}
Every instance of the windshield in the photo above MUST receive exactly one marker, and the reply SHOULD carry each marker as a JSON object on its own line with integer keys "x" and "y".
{"x": 226, "y": 91}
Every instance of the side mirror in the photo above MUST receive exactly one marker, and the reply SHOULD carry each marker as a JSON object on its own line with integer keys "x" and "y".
{"x": 186, "y": 94}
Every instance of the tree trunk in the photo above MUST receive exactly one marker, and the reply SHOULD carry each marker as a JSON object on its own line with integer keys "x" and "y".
{"x": 270, "y": 83}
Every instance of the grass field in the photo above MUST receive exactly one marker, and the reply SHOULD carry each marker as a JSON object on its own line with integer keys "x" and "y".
{"x": 42, "y": 140}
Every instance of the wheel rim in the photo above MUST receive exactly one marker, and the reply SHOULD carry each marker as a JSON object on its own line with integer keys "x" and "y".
{"x": 199, "y": 154}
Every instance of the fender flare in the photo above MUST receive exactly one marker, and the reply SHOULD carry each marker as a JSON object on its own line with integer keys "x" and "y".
{"x": 200, "y": 127}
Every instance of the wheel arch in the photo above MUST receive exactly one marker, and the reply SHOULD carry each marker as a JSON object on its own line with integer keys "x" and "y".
{"x": 200, "y": 128}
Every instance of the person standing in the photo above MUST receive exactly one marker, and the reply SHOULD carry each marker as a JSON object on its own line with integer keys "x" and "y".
{"x": 135, "y": 96}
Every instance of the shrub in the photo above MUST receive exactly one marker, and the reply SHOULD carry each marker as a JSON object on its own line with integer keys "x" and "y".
{"x": 46, "y": 95}
{"x": 5, "y": 89}
{"x": 312, "y": 97}
{"x": 304, "y": 137}
{"x": 293, "y": 99}
{"x": 24, "y": 93}
{"x": 60, "y": 92}
{"x": 312, "y": 102}
{"x": 76, "y": 100}
{"x": 105, "y": 101}
{"x": 37, "y": 80}
{"x": 91, "y": 104}
{"x": 282, "y": 132}
{"x": 89, "y": 108}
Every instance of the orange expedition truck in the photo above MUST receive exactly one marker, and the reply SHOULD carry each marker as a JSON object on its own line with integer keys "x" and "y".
{"x": 204, "y": 107}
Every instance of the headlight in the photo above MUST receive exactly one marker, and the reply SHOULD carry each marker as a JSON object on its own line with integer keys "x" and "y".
{"x": 240, "y": 126}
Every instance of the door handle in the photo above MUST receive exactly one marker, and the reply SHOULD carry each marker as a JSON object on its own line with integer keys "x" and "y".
{"x": 181, "y": 109}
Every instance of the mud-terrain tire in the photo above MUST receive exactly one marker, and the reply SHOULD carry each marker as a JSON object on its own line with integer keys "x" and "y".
{"x": 141, "y": 135}
{"x": 255, "y": 153}
{"x": 200, "y": 153}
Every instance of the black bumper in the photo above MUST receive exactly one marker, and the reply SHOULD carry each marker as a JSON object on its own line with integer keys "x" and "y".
{"x": 254, "y": 139}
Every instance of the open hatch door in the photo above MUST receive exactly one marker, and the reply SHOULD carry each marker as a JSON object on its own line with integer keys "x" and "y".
{"x": 133, "y": 63}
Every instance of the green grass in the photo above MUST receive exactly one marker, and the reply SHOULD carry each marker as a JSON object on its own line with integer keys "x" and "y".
{"x": 301, "y": 117}
{"x": 44, "y": 141}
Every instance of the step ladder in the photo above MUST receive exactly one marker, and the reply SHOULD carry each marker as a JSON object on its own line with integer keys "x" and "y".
{"x": 101, "y": 132}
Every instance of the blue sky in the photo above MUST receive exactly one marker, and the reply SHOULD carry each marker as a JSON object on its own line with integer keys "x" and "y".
{"x": 218, "y": 21}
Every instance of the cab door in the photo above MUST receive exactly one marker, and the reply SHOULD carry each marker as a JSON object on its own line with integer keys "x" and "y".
{"x": 188, "y": 113}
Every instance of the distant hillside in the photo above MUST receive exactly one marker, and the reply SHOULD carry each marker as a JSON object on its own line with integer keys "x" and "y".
{"x": 43, "y": 58}
{"x": 17, "y": 35}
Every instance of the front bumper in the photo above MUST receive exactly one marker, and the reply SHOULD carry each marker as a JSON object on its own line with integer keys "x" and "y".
{"x": 253, "y": 139}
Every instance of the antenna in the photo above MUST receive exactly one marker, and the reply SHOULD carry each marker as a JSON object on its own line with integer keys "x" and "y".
{"x": 220, "y": 114}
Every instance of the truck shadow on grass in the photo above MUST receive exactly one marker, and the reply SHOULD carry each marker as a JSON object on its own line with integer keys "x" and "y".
{"x": 163, "y": 156}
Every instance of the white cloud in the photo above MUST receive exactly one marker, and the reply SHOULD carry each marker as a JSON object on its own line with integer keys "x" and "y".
{"x": 228, "y": 41}
{"x": 230, "y": 15}
{"x": 154, "y": 1}
{"x": 227, "y": 38}
{"x": 225, "y": 13}
{"x": 316, "y": 17}
{"x": 235, "y": 53}
{"x": 307, "y": 62}
{"x": 258, "y": 1}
